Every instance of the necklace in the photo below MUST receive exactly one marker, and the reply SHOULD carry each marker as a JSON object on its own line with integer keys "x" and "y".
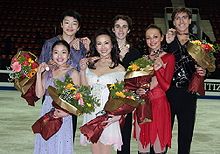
{"x": 157, "y": 52}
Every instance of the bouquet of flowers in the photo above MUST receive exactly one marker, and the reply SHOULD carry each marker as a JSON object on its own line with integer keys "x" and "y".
{"x": 72, "y": 98}
{"x": 203, "y": 54}
{"x": 120, "y": 102}
{"x": 140, "y": 67}
{"x": 139, "y": 75}
{"x": 68, "y": 97}
{"x": 24, "y": 67}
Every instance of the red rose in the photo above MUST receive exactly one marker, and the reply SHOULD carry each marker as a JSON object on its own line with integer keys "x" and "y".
{"x": 25, "y": 63}
{"x": 206, "y": 47}
{"x": 26, "y": 55}
{"x": 34, "y": 65}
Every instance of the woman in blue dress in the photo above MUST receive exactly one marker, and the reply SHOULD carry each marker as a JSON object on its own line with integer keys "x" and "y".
{"x": 62, "y": 141}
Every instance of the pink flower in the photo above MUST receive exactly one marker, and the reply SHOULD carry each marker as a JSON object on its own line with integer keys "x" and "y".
{"x": 81, "y": 102}
{"x": 16, "y": 67}
{"x": 14, "y": 60}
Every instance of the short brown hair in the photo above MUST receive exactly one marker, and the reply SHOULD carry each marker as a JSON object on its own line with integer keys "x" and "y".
{"x": 181, "y": 10}
{"x": 123, "y": 17}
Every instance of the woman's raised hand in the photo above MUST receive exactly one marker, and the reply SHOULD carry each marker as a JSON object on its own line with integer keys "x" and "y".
{"x": 83, "y": 64}
{"x": 41, "y": 68}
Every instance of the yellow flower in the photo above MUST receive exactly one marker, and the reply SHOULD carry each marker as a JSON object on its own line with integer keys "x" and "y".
{"x": 70, "y": 86}
{"x": 30, "y": 60}
{"x": 112, "y": 86}
{"x": 196, "y": 42}
{"x": 31, "y": 73}
{"x": 134, "y": 67}
{"x": 120, "y": 94}
{"x": 88, "y": 104}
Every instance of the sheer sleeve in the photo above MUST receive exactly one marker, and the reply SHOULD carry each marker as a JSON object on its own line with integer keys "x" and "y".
{"x": 165, "y": 74}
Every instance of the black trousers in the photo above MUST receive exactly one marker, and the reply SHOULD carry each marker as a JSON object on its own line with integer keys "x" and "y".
{"x": 74, "y": 119}
{"x": 183, "y": 106}
{"x": 126, "y": 135}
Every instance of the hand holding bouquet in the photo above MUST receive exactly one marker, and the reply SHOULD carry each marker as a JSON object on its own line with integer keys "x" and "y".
{"x": 68, "y": 97}
{"x": 203, "y": 54}
{"x": 139, "y": 75}
{"x": 120, "y": 102}
{"x": 24, "y": 68}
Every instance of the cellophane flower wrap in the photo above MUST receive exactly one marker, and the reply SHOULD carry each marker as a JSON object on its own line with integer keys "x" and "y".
{"x": 120, "y": 96}
{"x": 203, "y": 54}
{"x": 24, "y": 68}
{"x": 139, "y": 75}
{"x": 75, "y": 99}
{"x": 121, "y": 101}
{"x": 67, "y": 96}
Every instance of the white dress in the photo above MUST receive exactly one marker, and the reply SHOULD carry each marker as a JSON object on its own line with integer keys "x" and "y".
{"x": 111, "y": 134}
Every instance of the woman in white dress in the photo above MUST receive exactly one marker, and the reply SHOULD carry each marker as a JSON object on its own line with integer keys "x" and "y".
{"x": 104, "y": 69}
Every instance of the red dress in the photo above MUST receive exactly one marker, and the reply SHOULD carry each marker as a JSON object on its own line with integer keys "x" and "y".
{"x": 161, "y": 123}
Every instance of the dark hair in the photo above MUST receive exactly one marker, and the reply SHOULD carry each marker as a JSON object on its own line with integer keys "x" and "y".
{"x": 123, "y": 17}
{"x": 115, "y": 50}
{"x": 152, "y": 26}
{"x": 71, "y": 13}
{"x": 62, "y": 42}
{"x": 181, "y": 10}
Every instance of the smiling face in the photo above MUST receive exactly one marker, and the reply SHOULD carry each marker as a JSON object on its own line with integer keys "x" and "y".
{"x": 181, "y": 22}
{"x": 70, "y": 26}
{"x": 60, "y": 54}
{"x": 104, "y": 45}
{"x": 121, "y": 29}
{"x": 153, "y": 39}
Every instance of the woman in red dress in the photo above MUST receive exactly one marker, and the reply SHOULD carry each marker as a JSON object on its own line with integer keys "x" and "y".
{"x": 155, "y": 136}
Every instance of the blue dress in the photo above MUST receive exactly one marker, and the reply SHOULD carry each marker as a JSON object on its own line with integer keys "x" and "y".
{"x": 62, "y": 141}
